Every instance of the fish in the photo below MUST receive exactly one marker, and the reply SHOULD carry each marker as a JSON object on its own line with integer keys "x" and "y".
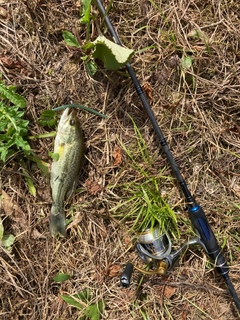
{"x": 69, "y": 145}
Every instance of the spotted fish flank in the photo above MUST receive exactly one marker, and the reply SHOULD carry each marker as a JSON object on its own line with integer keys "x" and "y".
{"x": 69, "y": 146}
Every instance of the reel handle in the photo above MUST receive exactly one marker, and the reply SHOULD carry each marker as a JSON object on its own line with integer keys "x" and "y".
{"x": 125, "y": 278}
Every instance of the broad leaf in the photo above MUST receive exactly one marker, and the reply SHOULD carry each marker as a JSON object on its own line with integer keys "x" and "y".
{"x": 31, "y": 186}
{"x": 72, "y": 302}
{"x": 111, "y": 54}
{"x": 70, "y": 39}
{"x": 94, "y": 311}
{"x": 8, "y": 240}
{"x": 48, "y": 118}
{"x": 87, "y": 46}
{"x": 91, "y": 68}
{"x": 15, "y": 98}
{"x": 74, "y": 299}
{"x": 54, "y": 156}
{"x": 61, "y": 277}
{"x": 85, "y": 12}
{"x": 186, "y": 62}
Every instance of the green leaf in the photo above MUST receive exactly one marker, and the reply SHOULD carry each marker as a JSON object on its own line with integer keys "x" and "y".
{"x": 31, "y": 186}
{"x": 27, "y": 178}
{"x": 15, "y": 98}
{"x": 85, "y": 12}
{"x": 54, "y": 156}
{"x": 13, "y": 128}
{"x": 8, "y": 240}
{"x": 21, "y": 143}
{"x": 48, "y": 114}
{"x": 72, "y": 302}
{"x": 85, "y": 58}
{"x": 70, "y": 39}
{"x": 4, "y": 152}
{"x": 94, "y": 311}
{"x": 87, "y": 46}
{"x": 74, "y": 299}
{"x": 68, "y": 221}
{"x": 42, "y": 165}
{"x": 85, "y": 295}
{"x": 91, "y": 68}
{"x": 186, "y": 62}
{"x": 111, "y": 54}
{"x": 61, "y": 277}
{"x": 43, "y": 135}
{"x": 48, "y": 118}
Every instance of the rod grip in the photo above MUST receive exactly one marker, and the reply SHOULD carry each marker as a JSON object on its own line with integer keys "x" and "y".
{"x": 199, "y": 221}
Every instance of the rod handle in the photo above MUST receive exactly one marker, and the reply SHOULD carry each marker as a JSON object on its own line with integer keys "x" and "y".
{"x": 199, "y": 221}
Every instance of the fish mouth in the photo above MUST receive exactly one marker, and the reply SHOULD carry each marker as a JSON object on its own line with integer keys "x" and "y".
{"x": 67, "y": 115}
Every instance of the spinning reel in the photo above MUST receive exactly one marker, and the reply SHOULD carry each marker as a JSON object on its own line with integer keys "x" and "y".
{"x": 155, "y": 248}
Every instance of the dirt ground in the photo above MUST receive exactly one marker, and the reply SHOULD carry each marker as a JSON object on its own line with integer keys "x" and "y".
{"x": 198, "y": 109}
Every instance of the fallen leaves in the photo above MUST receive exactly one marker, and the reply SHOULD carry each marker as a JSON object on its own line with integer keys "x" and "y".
{"x": 165, "y": 291}
{"x": 148, "y": 91}
{"x": 36, "y": 235}
{"x": 114, "y": 270}
{"x": 14, "y": 65}
{"x": 12, "y": 209}
{"x": 169, "y": 292}
{"x": 117, "y": 155}
{"x": 93, "y": 187}
{"x": 11, "y": 63}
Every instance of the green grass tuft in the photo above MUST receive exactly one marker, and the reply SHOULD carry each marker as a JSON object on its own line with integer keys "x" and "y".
{"x": 143, "y": 204}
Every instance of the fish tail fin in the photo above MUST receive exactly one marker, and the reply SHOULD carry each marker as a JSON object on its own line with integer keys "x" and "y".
{"x": 57, "y": 222}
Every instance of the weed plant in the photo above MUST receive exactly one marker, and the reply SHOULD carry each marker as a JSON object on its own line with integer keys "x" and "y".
{"x": 13, "y": 128}
{"x": 143, "y": 205}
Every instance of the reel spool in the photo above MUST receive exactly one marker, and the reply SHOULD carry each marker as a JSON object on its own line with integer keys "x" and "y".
{"x": 153, "y": 245}
{"x": 156, "y": 248}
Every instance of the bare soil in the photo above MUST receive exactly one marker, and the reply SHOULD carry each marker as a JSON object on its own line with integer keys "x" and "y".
{"x": 198, "y": 110}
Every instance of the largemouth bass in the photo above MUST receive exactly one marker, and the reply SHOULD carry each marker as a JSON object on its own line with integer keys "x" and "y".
{"x": 69, "y": 146}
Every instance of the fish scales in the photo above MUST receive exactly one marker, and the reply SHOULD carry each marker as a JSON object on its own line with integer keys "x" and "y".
{"x": 69, "y": 146}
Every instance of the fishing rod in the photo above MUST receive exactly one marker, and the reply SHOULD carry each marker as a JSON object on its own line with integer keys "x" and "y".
{"x": 206, "y": 237}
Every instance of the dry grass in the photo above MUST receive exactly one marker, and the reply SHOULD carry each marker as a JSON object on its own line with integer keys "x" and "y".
{"x": 199, "y": 113}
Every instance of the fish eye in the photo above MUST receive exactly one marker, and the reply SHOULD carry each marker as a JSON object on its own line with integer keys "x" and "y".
{"x": 72, "y": 122}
